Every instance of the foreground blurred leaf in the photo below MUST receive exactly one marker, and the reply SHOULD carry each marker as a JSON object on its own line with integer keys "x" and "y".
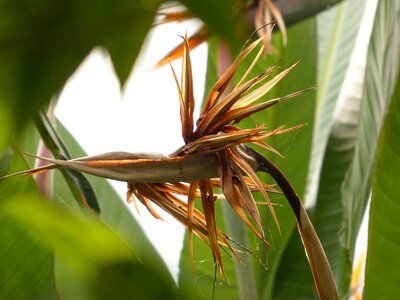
{"x": 42, "y": 43}
{"x": 26, "y": 267}
{"x": 382, "y": 269}
{"x": 89, "y": 247}
{"x": 224, "y": 17}
{"x": 83, "y": 242}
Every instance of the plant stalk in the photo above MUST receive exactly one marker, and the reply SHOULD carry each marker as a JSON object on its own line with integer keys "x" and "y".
{"x": 319, "y": 264}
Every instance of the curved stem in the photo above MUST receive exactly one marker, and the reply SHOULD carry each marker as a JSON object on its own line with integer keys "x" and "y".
{"x": 320, "y": 268}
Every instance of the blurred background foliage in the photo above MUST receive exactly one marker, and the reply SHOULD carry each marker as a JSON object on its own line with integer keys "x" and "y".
{"x": 59, "y": 248}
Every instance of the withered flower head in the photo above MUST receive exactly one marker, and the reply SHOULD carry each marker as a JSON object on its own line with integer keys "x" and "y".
{"x": 215, "y": 157}
{"x": 216, "y": 133}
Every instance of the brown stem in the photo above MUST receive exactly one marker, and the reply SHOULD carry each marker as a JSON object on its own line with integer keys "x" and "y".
{"x": 320, "y": 268}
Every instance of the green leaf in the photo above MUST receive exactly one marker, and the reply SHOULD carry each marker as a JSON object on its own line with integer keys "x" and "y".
{"x": 344, "y": 184}
{"x": 42, "y": 44}
{"x": 380, "y": 78}
{"x": 223, "y": 17}
{"x": 337, "y": 31}
{"x": 382, "y": 268}
{"x": 26, "y": 267}
{"x": 78, "y": 183}
{"x": 82, "y": 241}
{"x": 89, "y": 247}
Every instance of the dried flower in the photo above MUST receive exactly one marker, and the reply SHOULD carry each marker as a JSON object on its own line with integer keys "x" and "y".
{"x": 215, "y": 155}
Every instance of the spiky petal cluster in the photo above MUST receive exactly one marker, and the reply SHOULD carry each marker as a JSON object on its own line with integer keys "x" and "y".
{"x": 216, "y": 133}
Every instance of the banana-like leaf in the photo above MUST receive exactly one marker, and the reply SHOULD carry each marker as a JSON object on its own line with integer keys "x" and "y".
{"x": 337, "y": 31}
{"x": 382, "y": 268}
{"x": 380, "y": 79}
{"x": 21, "y": 256}
{"x": 351, "y": 143}
{"x": 89, "y": 247}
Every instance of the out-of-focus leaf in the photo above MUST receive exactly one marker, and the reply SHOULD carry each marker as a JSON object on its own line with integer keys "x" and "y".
{"x": 86, "y": 244}
{"x": 132, "y": 281}
{"x": 380, "y": 79}
{"x": 298, "y": 10}
{"x": 41, "y": 44}
{"x": 382, "y": 270}
{"x": 78, "y": 183}
{"x": 26, "y": 267}
{"x": 224, "y": 17}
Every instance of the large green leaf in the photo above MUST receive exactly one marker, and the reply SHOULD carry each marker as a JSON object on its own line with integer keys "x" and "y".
{"x": 382, "y": 270}
{"x": 337, "y": 31}
{"x": 349, "y": 154}
{"x": 73, "y": 266}
{"x": 380, "y": 78}
{"x": 89, "y": 247}
{"x": 26, "y": 267}
{"x": 42, "y": 43}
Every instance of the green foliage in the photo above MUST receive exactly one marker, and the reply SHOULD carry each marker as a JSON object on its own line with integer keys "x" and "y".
{"x": 42, "y": 43}
{"x": 223, "y": 17}
{"x": 382, "y": 268}
{"x": 58, "y": 249}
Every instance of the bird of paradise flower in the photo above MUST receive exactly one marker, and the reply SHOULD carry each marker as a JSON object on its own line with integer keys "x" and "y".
{"x": 216, "y": 154}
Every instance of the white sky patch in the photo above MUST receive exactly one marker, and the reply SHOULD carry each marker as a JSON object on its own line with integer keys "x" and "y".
{"x": 143, "y": 117}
